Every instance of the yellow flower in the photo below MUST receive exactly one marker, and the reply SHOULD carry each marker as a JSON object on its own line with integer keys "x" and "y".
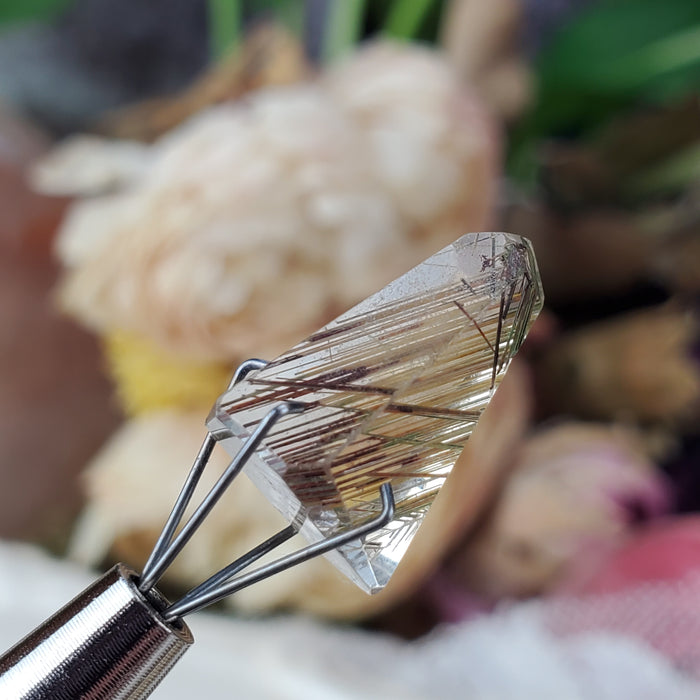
{"x": 148, "y": 378}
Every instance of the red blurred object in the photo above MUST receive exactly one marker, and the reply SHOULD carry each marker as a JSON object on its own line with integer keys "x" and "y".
{"x": 648, "y": 590}
{"x": 664, "y": 552}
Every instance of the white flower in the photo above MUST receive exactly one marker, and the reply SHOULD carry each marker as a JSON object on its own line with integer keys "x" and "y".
{"x": 255, "y": 222}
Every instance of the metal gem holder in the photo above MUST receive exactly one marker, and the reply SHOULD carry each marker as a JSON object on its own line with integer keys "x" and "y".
{"x": 120, "y": 637}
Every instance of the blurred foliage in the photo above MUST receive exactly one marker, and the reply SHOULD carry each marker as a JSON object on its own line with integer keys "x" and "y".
{"x": 415, "y": 20}
{"x": 226, "y": 19}
{"x": 28, "y": 10}
{"x": 617, "y": 55}
{"x": 406, "y": 17}
{"x": 345, "y": 21}
{"x": 224, "y": 26}
{"x": 343, "y": 27}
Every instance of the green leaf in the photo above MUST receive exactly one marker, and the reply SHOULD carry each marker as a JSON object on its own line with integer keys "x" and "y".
{"x": 224, "y": 26}
{"x": 406, "y": 18}
{"x": 343, "y": 27}
{"x": 31, "y": 10}
{"x": 617, "y": 52}
{"x": 615, "y": 55}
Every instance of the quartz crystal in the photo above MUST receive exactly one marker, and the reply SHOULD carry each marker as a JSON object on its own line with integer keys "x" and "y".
{"x": 393, "y": 389}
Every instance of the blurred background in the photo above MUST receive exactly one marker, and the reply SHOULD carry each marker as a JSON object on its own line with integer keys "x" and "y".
{"x": 189, "y": 183}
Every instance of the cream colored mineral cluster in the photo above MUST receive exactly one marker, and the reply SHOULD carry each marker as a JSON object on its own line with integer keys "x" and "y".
{"x": 243, "y": 230}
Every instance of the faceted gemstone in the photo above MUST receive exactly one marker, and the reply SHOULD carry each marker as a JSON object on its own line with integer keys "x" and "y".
{"x": 393, "y": 389}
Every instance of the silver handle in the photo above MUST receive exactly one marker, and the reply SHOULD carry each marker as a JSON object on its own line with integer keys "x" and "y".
{"x": 109, "y": 643}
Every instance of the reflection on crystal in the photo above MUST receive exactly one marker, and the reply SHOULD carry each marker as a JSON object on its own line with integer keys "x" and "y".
{"x": 394, "y": 388}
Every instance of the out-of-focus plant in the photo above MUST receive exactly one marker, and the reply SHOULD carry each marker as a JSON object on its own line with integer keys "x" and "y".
{"x": 406, "y": 17}
{"x": 12, "y": 11}
{"x": 344, "y": 22}
{"x": 343, "y": 27}
{"x": 224, "y": 26}
{"x": 617, "y": 55}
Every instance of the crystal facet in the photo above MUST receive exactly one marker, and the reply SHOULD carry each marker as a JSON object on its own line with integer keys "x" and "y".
{"x": 393, "y": 388}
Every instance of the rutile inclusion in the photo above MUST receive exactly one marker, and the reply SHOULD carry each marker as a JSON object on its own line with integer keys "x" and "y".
{"x": 393, "y": 389}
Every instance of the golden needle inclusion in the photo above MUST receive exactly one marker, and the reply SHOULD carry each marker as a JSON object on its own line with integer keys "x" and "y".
{"x": 393, "y": 388}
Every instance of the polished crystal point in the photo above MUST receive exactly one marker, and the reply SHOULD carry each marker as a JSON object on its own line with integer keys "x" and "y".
{"x": 393, "y": 389}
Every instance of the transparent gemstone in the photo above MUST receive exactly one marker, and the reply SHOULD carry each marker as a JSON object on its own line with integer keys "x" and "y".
{"x": 394, "y": 388}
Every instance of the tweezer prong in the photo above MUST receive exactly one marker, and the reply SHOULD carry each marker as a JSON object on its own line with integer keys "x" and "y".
{"x": 224, "y": 582}
{"x": 239, "y": 564}
{"x": 244, "y": 369}
{"x": 192, "y": 603}
{"x": 157, "y": 569}
{"x": 177, "y": 512}
{"x": 188, "y": 488}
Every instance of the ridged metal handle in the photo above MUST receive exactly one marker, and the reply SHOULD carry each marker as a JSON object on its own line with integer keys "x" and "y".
{"x": 109, "y": 643}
